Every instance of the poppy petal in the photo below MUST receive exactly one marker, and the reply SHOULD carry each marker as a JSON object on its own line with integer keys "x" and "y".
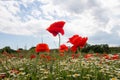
{"x": 56, "y": 27}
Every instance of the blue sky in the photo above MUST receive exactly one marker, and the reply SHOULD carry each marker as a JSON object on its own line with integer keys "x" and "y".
{"x": 24, "y": 22}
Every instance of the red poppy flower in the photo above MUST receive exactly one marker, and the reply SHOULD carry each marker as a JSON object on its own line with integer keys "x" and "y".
{"x": 77, "y": 41}
{"x": 63, "y": 48}
{"x": 32, "y": 56}
{"x": 48, "y": 57}
{"x": 115, "y": 57}
{"x": 56, "y": 27}
{"x": 73, "y": 48}
{"x": 42, "y": 56}
{"x": 88, "y": 56}
{"x": 42, "y": 47}
{"x": 73, "y": 39}
{"x": 75, "y": 56}
{"x": 106, "y": 56}
{"x": 83, "y": 42}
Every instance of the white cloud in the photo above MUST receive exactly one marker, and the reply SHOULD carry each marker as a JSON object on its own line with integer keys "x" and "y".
{"x": 36, "y": 13}
{"x": 10, "y": 6}
{"x": 84, "y": 24}
{"x": 109, "y": 3}
{"x": 84, "y": 17}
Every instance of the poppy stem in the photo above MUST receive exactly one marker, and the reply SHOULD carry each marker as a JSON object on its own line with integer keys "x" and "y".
{"x": 42, "y": 37}
{"x": 59, "y": 39}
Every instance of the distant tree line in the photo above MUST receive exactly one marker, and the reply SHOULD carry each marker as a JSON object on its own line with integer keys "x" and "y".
{"x": 102, "y": 48}
{"x": 7, "y": 49}
{"x": 115, "y": 49}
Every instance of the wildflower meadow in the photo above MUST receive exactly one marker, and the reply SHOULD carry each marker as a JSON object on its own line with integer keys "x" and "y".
{"x": 66, "y": 63}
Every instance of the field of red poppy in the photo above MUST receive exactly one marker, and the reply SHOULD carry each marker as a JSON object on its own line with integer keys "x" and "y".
{"x": 60, "y": 66}
{"x": 64, "y": 64}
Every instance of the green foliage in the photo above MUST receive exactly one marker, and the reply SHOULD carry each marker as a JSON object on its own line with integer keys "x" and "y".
{"x": 103, "y": 48}
{"x": 32, "y": 50}
{"x": 7, "y": 49}
{"x": 115, "y": 49}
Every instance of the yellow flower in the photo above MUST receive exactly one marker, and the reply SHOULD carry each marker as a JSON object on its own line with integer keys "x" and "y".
{"x": 113, "y": 79}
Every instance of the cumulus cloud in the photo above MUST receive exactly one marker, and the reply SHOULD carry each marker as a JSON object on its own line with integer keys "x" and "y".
{"x": 90, "y": 18}
{"x": 76, "y": 6}
{"x": 102, "y": 37}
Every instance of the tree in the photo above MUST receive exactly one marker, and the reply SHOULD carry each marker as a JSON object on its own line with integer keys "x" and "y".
{"x": 7, "y": 49}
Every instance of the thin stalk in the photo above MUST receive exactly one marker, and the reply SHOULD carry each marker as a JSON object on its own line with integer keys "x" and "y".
{"x": 59, "y": 39}
{"x": 41, "y": 37}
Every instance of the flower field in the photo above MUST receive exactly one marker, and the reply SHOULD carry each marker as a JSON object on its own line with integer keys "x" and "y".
{"x": 60, "y": 67}
{"x": 67, "y": 63}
